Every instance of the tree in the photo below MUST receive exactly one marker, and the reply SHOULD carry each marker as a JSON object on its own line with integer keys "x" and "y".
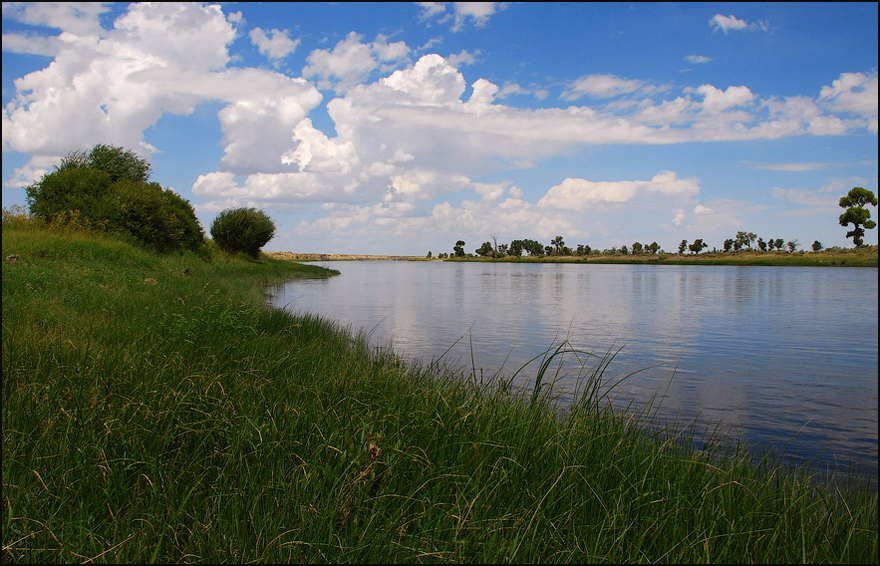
{"x": 698, "y": 246}
{"x": 242, "y": 230}
{"x": 459, "y": 248}
{"x": 485, "y": 250}
{"x": 856, "y": 213}
{"x": 557, "y": 245}
{"x": 516, "y": 248}
{"x": 654, "y": 247}
{"x": 637, "y": 248}
{"x": 817, "y": 246}
{"x": 745, "y": 238}
{"x": 119, "y": 164}
{"x": 682, "y": 246}
{"x": 108, "y": 188}
{"x": 792, "y": 245}
{"x": 534, "y": 247}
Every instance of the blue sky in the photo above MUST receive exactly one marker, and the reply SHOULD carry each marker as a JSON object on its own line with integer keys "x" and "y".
{"x": 400, "y": 128}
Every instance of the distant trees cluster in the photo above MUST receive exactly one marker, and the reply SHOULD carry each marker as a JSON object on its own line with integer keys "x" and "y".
{"x": 855, "y": 214}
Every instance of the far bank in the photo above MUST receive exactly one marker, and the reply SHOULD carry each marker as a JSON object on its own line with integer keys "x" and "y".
{"x": 866, "y": 256}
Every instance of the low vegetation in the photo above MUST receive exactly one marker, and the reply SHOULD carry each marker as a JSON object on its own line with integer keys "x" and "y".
{"x": 155, "y": 410}
{"x": 865, "y": 256}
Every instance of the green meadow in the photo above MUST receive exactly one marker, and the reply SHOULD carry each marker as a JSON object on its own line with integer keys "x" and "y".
{"x": 156, "y": 410}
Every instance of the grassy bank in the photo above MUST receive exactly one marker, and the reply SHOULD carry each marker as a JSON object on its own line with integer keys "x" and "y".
{"x": 155, "y": 411}
{"x": 862, "y": 257}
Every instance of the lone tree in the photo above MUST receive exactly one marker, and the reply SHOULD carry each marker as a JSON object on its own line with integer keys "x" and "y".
{"x": 856, "y": 213}
{"x": 242, "y": 230}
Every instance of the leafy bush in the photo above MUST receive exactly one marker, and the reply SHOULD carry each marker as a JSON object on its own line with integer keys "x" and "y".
{"x": 107, "y": 188}
{"x": 242, "y": 230}
{"x": 117, "y": 163}
{"x": 157, "y": 217}
{"x": 66, "y": 190}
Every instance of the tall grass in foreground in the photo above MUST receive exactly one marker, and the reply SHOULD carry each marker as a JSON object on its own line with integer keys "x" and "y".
{"x": 155, "y": 411}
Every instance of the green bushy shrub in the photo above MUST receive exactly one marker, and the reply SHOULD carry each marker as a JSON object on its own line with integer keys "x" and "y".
{"x": 108, "y": 188}
{"x": 242, "y": 230}
{"x": 157, "y": 217}
{"x": 65, "y": 190}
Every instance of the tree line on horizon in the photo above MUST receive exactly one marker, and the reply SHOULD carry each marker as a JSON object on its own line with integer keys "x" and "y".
{"x": 855, "y": 213}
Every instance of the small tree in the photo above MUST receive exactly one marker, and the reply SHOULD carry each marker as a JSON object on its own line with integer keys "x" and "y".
{"x": 242, "y": 230}
{"x": 459, "y": 248}
{"x": 698, "y": 246}
{"x": 485, "y": 250}
{"x": 817, "y": 246}
{"x": 682, "y": 246}
{"x": 856, "y": 213}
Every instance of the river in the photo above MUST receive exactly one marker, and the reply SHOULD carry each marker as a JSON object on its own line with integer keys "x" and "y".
{"x": 783, "y": 357}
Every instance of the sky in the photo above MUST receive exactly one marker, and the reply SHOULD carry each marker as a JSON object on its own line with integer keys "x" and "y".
{"x": 401, "y": 128}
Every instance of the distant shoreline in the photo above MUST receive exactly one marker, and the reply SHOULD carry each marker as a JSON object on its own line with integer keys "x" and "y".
{"x": 340, "y": 257}
{"x": 865, "y": 257}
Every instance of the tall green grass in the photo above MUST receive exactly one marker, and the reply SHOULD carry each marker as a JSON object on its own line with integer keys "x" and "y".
{"x": 154, "y": 410}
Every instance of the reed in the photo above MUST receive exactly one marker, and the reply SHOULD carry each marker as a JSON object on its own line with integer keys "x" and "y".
{"x": 154, "y": 410}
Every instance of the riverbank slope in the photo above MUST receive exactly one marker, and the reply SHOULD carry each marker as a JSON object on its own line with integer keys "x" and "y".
{"x": 154, "y": 409}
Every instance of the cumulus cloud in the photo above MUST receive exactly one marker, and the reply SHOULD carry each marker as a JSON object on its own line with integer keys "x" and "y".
{"x": 732, "y": 23}
{"x": 581, "y": 194}
{"x": 351, "y": 61}
{"x": 274, "y": 44}
{"x": 461, "y": 13}
{"x": 158, "y": 58}
{"x": 854, "y": 93}
{"x": 80, "y": 19}
{"x": 99, "y": 89}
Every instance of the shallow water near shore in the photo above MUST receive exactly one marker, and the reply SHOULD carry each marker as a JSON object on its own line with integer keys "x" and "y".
{"x": 783, "y": 357}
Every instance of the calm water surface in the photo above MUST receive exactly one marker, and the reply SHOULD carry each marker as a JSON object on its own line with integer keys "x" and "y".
{"x": 781, "y": 356}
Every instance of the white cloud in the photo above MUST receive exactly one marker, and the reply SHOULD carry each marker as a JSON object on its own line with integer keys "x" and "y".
{"x": 716, "y": 101}
{"x": 793, "y": 167}
{"x": 477, "y": 13}
{"x": 78, "y": 18}
{"x": 158, "y": 59}
{"x": 99, "y": 90}
{"x": 696, "y": 59}
{"x": 581, "y": 194}
{"x": 274, "y": 44}
{"x": 351, "y": 62}
{"x": 732, "y": 23}
{"x": 464, "y": 57}
{"x": 601, "y": 86}
{"x": 855, "y": 93}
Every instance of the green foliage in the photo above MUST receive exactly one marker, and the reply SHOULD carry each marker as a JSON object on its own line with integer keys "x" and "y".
{"x": 242, "y": 230}
{"x": 153, "y": 215}
{"x": 459, "y": 248}
{"x": 107, "y": 188}
{"x": 856, "y": 213}
{"x": 68, "y": 189}
{"x": 116, "y": 162}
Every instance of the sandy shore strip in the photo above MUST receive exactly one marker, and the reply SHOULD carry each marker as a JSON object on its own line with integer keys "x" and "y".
{"x": 339, "y": 257}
